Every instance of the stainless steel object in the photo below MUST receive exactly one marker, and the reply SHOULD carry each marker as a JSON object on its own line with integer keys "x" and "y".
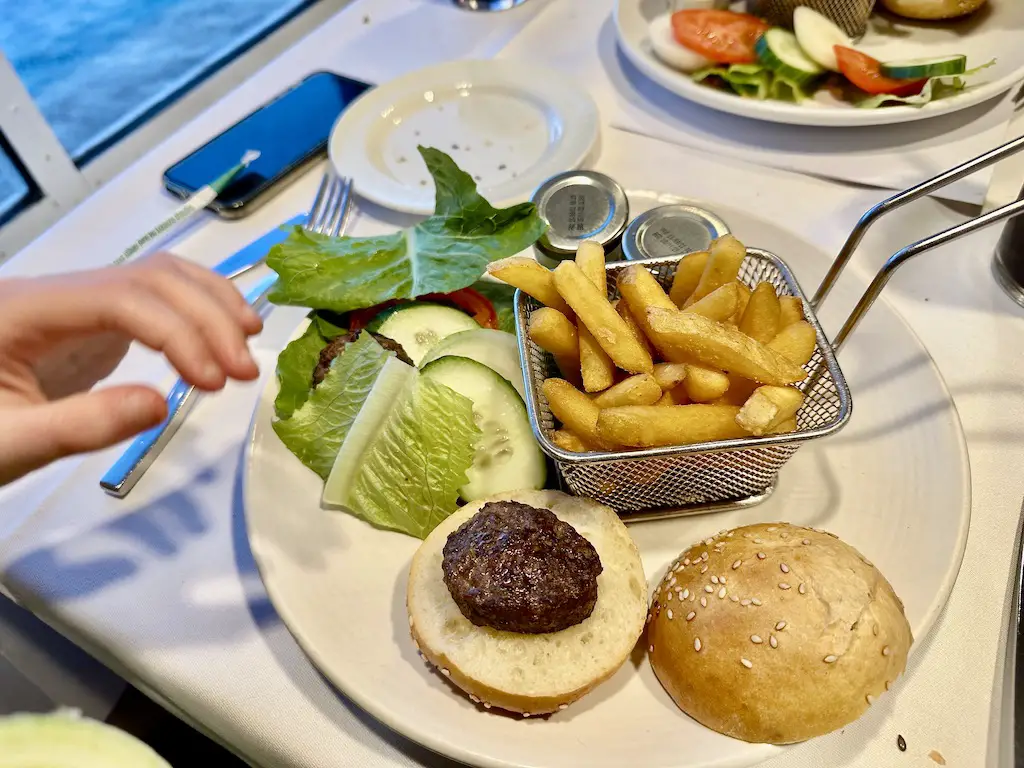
{"x": 1015, "y": 656}
{"x": 255, "y": 253}
{"x": 578, "y": 206}
{"x": 328, "y": 215}
{"x": 1008, "y": 261}
{"x": 671, "y": 230}
{"x": 850, "y": 15}
{"x": 488, "y": 5}
{"x": 725, "y": 474}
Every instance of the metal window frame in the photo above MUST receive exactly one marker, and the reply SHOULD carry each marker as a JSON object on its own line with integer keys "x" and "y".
{"x": 57, "y": 184}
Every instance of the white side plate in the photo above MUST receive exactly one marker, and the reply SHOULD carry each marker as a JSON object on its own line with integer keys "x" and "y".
{"x": 992, "y": 33}
{"x": 509, "y": 126}
{"x": 895, "y": 483}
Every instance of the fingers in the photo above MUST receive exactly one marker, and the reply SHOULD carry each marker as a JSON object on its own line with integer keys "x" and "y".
{"x": 225, "y": 291}
{"x": 36, "y": 435}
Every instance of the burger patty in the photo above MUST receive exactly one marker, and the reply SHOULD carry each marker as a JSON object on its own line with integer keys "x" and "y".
{"x": 518, "y": 568}
{"x": 337, "y": 346}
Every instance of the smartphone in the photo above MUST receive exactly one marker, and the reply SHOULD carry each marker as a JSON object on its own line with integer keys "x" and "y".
{"x": 290, "y": 133}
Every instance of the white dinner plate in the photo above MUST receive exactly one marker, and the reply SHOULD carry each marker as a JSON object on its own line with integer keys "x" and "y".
{"x": 895, "y": 483}
{"x": 995, "y": 32}
{"x": 508, "y": 125}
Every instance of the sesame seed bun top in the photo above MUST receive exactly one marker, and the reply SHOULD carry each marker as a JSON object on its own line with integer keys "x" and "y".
{"x": 776, "y": 633}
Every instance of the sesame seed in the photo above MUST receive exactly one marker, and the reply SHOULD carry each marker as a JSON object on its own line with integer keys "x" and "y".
{"x": 686, "y": 594}
{"x": 737, "y": 564}
{"x": 746, "y": 663}
{"x": 772, "y": 641}
{"x": 563, "y": 707}
{"x": 802, "y": 589}
{"x": 755, "y": 601}
{"x": 721, "y": 579}
{"x": 747, "y": 535}
{"x": 703, "y": 602}
{"x": 784, "y": 535}
{"x": 721, "y": 592}
{"x": 886, "y": 651}
{"x": 755, "y": 639}
{"x": 745, "y": 601}
{"x": 668, "y": 596}
{"x": 784, "y": 568}
{"x": 723, "y": 531}
{"x": 670, "y": 614}
{"x": 696, "y": 644}
{"x": 870, "y": 699}
{"x": 761, "y": 555}
{"x": 771, "y": 528}
{"x": 780, "y": 626}
{"x": 672, "y": 581}
{"x": 487, "y": 705}
{"x": 686, "y": 561}
{"x": 410, "y": 621}
{"x": 728, "y": 535}
{"x": 704, "y": 556}
{"x": 709, "y": 542}
{"x": 690, "y": 615}
{"x": 679, "y": 591}
{"x": 805, "y": 542}
{"x": 714, "y": 579}
{"x": 446, "y": 672}
{"x": 830, "y": 659}
{"x": 758, "y": 540}
{"x": 649, "y": 617}
{"x": 703, "y": 569}
{"x": 650, "y": 649}
{"x": 734, "y": 598}
{"x": 525, "y": 715}
{"x": 708, "y": 588}
{"x": 474, "y": 699}
{"x": 783, "y": 585}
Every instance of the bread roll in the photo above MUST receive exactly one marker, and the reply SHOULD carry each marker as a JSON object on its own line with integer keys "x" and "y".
{"x": 532, "y": 673}
{"x": 776, "y": 633}
{"x": 933, "y": 9}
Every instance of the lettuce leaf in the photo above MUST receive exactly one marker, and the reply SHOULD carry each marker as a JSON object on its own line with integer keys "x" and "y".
{"x": 410, "y": 474}
{"x": 936, "y": 88}
{"x": 316, "y": 429}
{"x": 752, "y": 81}
{"x": 448, "y": 251}
{"x": 296, "y": 362}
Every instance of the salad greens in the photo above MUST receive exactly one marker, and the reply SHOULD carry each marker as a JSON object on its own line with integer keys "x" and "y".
{"x": 755, "y": 81}
{"x": 316, "y": 429}
{"x": 296, "y": 362}
{"x": 936, "y": 88}
{"x": 410, "y": 474}
{"x": 443, "y": 253}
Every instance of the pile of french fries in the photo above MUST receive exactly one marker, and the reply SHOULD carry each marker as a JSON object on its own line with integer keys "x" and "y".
{"x": 709, "y": 360}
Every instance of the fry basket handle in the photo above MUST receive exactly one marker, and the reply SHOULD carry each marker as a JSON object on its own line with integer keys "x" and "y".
{"x": 905, "y": 254}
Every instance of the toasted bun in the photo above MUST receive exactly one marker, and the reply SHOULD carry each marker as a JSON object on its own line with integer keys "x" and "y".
{"x": 933, "y": 9}
{"x": 532, "y": 674}
{"x": 798, "y": 641}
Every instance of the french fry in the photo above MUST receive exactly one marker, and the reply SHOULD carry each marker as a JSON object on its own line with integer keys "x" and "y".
{"x": 669, "y": 375}
{"x": 553, "y": 332}
{"x": 596, "y": 368}
{"x": 569, "y": 441}
{"x": 795, "y": 342}
{"x": 720, "y": 346}
{"x": 789, "y": 425}
{"x": 761, "y": 318}
{"x": 649, "y": 426}
{"x": 594, "y": 310}
{"x": 527, "y": 275}
{"x": 769, "y": 407}
{"x": 791, "y": 310}
{"x": 641, "y": 291}
{"x": 590, "y": 260}
{"x": 576, "y": 411}
{"x": 638, "y": 333}
{"x": 675, "y": 396}
{"x": 641, "y": 389}
{"x": 720, "y": 304}
{"x": 741, "y": 305}
{"x": 703, "y": 385}
{"x": 687, "y": 275}
{"x": 723, "y": 265}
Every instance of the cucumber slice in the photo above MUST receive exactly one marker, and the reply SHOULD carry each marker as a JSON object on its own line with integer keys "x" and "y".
{"x": 498, "y": 350}
{"x": 420, "y": 327}
{"x": 818, "y": 36}
{"x": 65, "y": 740}
{"x": 392, "y": 380}
{"x": 918, "y": 69}
{"x": 778, "y": 50}
{"x": 507, "y": 456}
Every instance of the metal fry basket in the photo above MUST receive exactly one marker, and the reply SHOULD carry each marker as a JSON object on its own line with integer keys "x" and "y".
{"x": 678, "y": 480}
{"x": 850, "y": 15}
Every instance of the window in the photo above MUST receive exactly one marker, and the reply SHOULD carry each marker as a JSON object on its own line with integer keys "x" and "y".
{"x": 13, "y": 189}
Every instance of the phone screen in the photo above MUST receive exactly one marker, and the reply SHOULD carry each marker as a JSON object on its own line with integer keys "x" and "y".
{"x": 287, "y": 132}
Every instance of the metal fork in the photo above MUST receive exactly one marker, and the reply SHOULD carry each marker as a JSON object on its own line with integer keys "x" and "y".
{"x": 327, "y": 216}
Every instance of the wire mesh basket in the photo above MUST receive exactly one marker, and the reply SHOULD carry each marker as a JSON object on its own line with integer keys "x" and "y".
{"x": 658, "y": 482}
{"x": 850, "y": 15}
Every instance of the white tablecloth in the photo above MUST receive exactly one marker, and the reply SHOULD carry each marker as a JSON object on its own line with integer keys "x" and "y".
{"x": 161, "y": 586}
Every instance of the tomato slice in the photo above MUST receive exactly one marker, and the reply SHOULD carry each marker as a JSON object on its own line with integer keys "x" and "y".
{"x": 724, "y": 37}
{"x": 866, "y": 73}
{"x": 472, "y": 303}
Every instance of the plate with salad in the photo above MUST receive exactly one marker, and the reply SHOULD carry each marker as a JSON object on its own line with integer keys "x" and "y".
{"x": 813, "y": 73}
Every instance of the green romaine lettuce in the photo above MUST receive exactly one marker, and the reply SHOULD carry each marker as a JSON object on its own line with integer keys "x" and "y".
{"x": 316, "y": 429}
{"x": 448, "y": 251}
{"x": 410, "y": 474}
{"x": 296, "y": 362}
{"x": 936, "y": 88}
{"x": 752, "y": 81}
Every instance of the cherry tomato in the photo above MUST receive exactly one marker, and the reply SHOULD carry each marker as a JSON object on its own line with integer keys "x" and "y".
{"x": 724, "y": 37}
{"x": 472, "y": 303}
{"x": 866, "y": 73}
